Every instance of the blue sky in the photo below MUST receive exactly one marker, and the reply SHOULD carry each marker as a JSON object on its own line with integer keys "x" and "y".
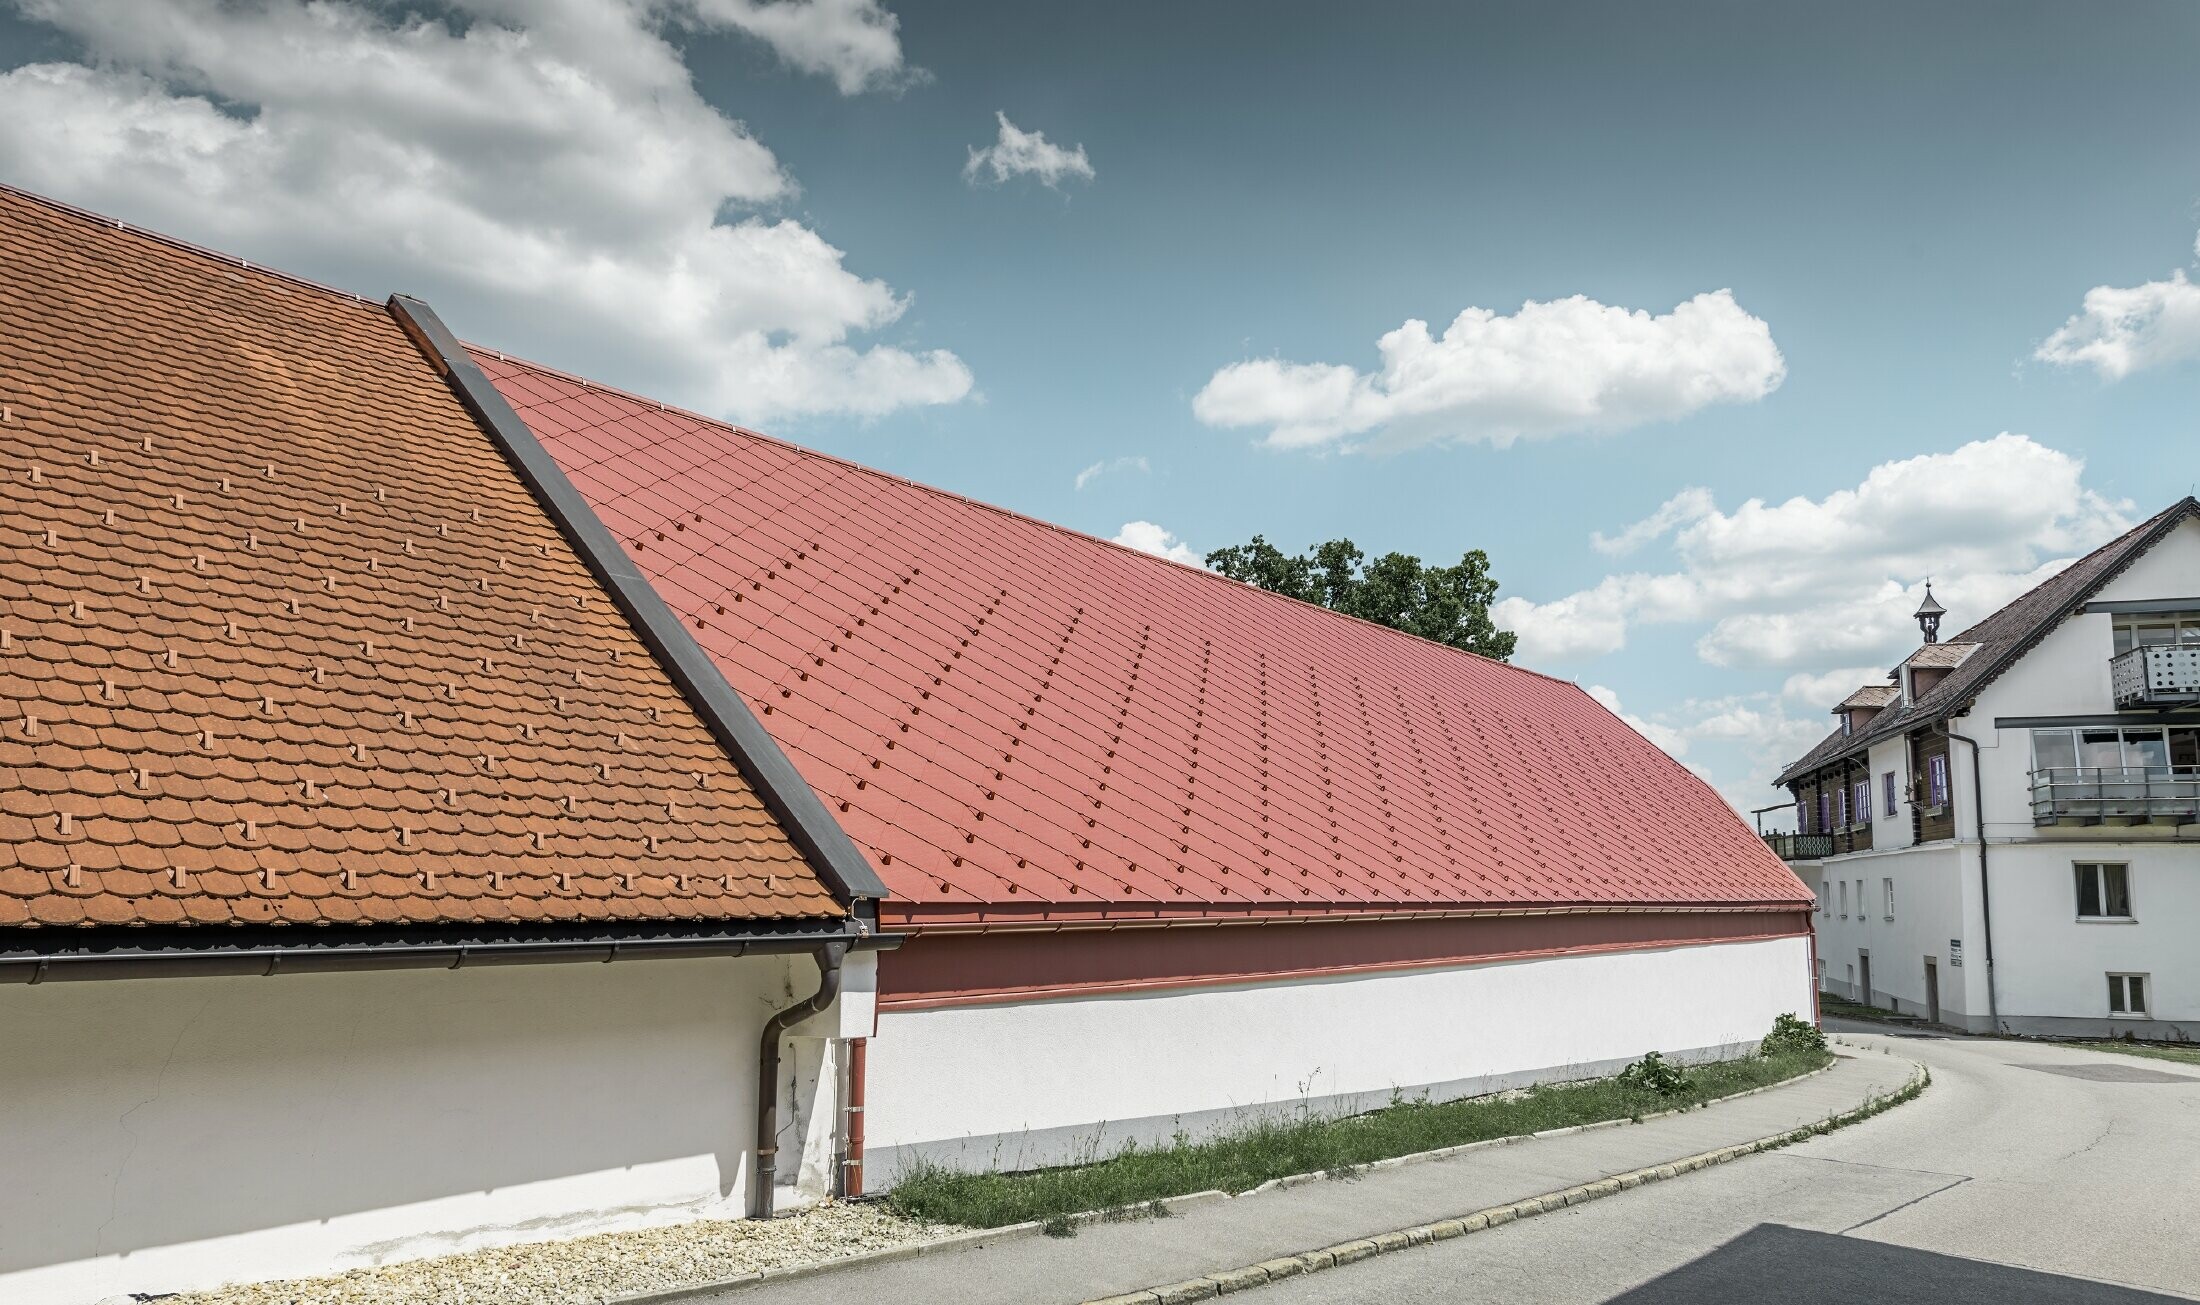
{"x": 766, "y": 211}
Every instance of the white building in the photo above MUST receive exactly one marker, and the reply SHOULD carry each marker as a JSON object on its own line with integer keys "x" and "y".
{"x": 2006, "y": 834}
{"x": 336, "y": 772}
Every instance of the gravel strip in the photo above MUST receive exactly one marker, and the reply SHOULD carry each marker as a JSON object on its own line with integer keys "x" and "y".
{"x": 585, "y": 1270}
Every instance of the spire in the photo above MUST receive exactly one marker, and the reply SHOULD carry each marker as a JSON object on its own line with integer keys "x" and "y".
{"x": 1928, "y": 615}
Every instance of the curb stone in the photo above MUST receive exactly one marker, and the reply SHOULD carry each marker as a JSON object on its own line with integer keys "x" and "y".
{"x": 1253, "y": 1275}
{"x": 909, "y": 1251}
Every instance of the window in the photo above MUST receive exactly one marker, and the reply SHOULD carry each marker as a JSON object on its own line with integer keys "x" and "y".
{"x": 2154, "y": 630}
{"x": 1841, "y": 809}
{"x": 1844, "y": 899}
{"x": 2135, "y": 752}
{"x": 1888, "y": 885}
{"x": 1888, "y": 784}
{"x": 2127, "y": 995}
{"x": 1863, "y": 802}
{"x": 1936, "y": 780}
{"x": 1825, "y": 811}
{"x": 2104, "y": 891}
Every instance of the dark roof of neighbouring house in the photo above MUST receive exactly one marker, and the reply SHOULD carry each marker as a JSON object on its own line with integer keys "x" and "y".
{"x": 284, "y": 640}
{"x": 1873, "y": 696}
{"x": 1014, "y": 720}
{"x": 1998, "y": 641}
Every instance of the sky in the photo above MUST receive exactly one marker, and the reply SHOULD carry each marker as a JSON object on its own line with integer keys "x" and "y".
{"x": 1720, "y": 327}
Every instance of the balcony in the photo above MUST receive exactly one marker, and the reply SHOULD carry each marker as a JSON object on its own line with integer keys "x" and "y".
{"x": 2156, "y": 675}
{"x": 2123, "y": 795}
{"x": 1800, "y": 847}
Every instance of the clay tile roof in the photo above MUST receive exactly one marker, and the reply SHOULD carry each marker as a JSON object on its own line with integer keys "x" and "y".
{"x": 1873, "y": 696}
{"x": 1014, "y": 719}
{"x": 285, "y": 641}
{"x": 1983, "y": 652}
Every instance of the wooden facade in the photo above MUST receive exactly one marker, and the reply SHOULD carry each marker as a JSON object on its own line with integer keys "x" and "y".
{"x": 1932, "y": 788}
{"x": 1838, "y": 800}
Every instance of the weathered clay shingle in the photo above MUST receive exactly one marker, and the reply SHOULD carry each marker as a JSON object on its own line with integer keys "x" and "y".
{"x": 283, "y": 639}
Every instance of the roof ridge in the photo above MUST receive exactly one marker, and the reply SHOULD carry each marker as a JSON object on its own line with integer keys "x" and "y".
{"x": 2108, "y": 560}
{"x": 512, "y": 360}
{"x": 189, "y": 247}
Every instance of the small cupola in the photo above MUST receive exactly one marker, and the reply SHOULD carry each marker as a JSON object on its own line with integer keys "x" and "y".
{"x": 1928, "y": 615}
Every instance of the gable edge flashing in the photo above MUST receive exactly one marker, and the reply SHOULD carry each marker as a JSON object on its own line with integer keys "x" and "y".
{"x": 823, "y": 843}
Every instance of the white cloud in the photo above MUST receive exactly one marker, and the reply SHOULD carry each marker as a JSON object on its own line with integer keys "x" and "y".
{"x": 1147, "y": 537}
{"x": 555, "y": 185}
{"x": 1109, "y": 467}
{"x": 2121, "y": 330}
{"x": 1822, "y": 689}
{"x": 1674, "y": 742}
{"x": 1822, "y": 583}
{"x": 1020, "y": 153}
{"x": 1690, "y": 505}
{"x": 1551, "y": 368}
{"x": 857, "y": 43}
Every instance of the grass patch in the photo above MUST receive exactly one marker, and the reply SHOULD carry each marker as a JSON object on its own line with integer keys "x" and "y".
{"x": 2151, "y": 1050}
{"x": 1831, "y": 1007}
{"x": 1277, "y": 1147}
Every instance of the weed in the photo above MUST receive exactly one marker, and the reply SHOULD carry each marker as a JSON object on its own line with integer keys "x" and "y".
{"x": 1297, "y": 1142}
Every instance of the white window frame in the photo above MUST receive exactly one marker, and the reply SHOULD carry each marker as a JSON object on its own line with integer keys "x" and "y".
{"x": 1844, "y": 899}
{"x": 2119, "y": 990}
{"x": 1888, "y": 885}
{"x": 2077, "y": 876}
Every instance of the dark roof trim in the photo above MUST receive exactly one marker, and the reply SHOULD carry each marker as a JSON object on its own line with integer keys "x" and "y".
{"x": 823, "y": 842}
{"x": 2145, "y": 606}
{"x": 2132, "y": 720}
{"x": 1959, "y": 703}
{"x": 137, "y": 952}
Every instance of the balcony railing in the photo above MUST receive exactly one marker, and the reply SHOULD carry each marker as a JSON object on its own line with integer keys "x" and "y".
{"x": 2157, "y": 675}
{"x": 2130, "y": 795}
{"x": 1800, "y": 847}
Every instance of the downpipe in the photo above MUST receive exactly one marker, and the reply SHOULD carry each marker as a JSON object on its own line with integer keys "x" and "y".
{"x": 1985, "y": 884}
{"x": 829, "y": 958}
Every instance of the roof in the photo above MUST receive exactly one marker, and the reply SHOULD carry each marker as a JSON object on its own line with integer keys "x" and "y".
{"x": 1940, "y": 656}
{"x": 1015, "y": 721}
{"x": 287, "y": 642}
{"x": 1980, "y": 654}
{"x": 1873, "y": 696}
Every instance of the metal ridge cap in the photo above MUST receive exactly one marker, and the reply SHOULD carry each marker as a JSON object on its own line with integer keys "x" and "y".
{"x": 808, "y": 824}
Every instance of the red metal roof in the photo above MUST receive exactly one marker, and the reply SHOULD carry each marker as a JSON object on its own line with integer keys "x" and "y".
{"x": 1012, "y": 719}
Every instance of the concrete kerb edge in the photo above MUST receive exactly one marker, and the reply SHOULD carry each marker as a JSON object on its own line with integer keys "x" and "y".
{"x": 1288, "y": 1266}
{"x": 911, "y": 1251}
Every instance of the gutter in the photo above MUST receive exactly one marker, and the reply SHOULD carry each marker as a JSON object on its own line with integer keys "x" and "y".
{"x": 196, "y": 959}
{"x": 824, "y": 844}
{"x": 1985, "y": 885}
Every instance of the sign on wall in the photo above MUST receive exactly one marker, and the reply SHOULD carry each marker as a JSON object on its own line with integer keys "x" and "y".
{"x": 1955, "y": 952}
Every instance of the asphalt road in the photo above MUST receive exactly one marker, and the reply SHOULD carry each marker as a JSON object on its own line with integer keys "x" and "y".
{"x": 2027, "y": 1172}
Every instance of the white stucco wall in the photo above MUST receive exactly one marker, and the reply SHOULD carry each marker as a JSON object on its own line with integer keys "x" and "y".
{"x": 1027, "y": 1083}
{"x": 2050, "y": 971}
{"x": 162, "y": 1134}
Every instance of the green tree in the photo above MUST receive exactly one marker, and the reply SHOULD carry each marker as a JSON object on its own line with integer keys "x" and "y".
{"x": 1449, "y": 604}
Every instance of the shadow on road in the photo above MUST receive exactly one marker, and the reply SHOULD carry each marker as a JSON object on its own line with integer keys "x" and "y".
{"x": 1798, "y": 1267}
